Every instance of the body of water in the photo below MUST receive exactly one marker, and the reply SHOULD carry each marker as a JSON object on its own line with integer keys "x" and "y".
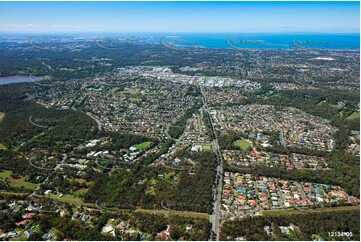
{"x": 259, "y": 41}
{"x": 17, "y": 79}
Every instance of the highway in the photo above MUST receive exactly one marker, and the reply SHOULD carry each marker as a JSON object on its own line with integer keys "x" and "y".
{"x": 217, "y": 189}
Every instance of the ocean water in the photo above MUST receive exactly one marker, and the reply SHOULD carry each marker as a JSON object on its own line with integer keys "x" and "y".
{"x": 258, "y": 41}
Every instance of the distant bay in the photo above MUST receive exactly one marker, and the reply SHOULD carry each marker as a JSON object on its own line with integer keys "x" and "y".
{"x": 257, "y": 41}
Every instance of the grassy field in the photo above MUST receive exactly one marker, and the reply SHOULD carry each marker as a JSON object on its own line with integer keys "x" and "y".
{"x": 131, "y": 91}
{"x": 151, "y": 189}
{"x": 354, "y": 115}
{"x": 114, "y": 90}
{"x": 135, "y": 100}
{"x": 81, "y": 191}
{"x": 22, "y": 183}
{"x": 68, "y": 199}
{"x": 3, "y": 147}
{"x": 143, "y": 146}
{"x": 81, "y": 180}
{"x": 35, "y": 137}
{"x": 243, "y": 144}
{"x": 17, "y": 182}
{"x": 207, "y": 148}
{"x": 2, "y": 115}
{"x": 5, "y": 174}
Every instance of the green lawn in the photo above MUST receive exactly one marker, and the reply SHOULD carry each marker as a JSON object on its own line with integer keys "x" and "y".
{"x": 207, "y": 148}
{"x": 135, "y": 100}
{"x": 114, "y": 90}
{"x": 68, "y": 199}
{"x": 22, "y": 183}
{"x": 81, "y": 191}
{"x": 276, "y": 95}
{"x": 3, "y": 147}
{"x": 17, "y": 182}
{"x": 243, "y": 144}
{"x": 354, "y": 115}
{"x": 168, "y": 177}
{"x": 131, "y": 91}
{"x": 35, "y": 137}
{"x": 2, "y": 115}
{"x": 143, "y": 146}
{"x": 5, "y": 174}
{"x": 150, "y": 189}
{"x": 81, "y": 180}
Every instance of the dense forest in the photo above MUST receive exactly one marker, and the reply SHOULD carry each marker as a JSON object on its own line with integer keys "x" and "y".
{"x": 26, "y": 120}
{"x": 183, "y": 191}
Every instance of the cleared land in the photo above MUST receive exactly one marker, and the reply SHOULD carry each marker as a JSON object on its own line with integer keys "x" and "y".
{"x": 81, "y": 191}
{"x": 21, "y": 182}
{"x": 243, "y": 144}
{"x": 135, "y": 100}
{"x": 207, "y": 148}
{"x": 68, "y": 199}
{"x": 5, "y": 174}
{"x": 3, "y": 147}
{"x": 81, "y": 180}
{"x": 143, "y": 146}
{"x": 354, "y": 115}
{"x": 114, "y": 90}
{"x": 132, "y": 91}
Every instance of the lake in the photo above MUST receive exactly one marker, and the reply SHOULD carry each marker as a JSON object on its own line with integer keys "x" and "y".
{"x": 18, "y": 79}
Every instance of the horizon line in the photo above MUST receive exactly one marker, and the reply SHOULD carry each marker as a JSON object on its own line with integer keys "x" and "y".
{"x": 180, "y": 32}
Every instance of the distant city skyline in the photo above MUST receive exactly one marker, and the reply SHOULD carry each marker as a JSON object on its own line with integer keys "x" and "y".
{"x": 177, "y": 17}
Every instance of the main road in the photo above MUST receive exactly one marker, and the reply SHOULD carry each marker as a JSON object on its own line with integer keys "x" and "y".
{"x": 217, "y": 186}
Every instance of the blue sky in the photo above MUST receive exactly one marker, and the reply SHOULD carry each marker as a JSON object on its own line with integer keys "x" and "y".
{"x": 81, "y": 17}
